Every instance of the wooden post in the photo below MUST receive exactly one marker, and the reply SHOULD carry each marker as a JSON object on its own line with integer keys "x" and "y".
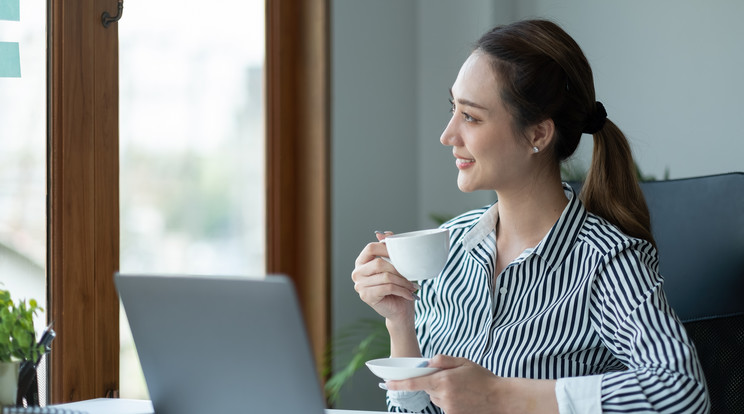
{"x": 83, "y": 197}
{"x": 297, "y": 155}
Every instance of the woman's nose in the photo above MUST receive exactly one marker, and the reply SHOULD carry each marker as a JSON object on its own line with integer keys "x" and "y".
{"x": 449, "y": 135}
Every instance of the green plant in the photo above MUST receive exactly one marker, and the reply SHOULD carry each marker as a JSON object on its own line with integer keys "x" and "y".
{"x": 17, "y": 335}
{"x": 354, "y": 345}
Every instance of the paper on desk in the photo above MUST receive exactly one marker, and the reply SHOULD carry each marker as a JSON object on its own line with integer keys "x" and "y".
{"x": 10, "y": 60}
{"x": 110, "y": 406}
{"x": 125, "y": 406}
{"x": 10, "y": 10}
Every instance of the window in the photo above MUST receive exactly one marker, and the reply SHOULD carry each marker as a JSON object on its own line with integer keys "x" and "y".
{"x": 191, "y": 145}
{"x": 23, "y": 162}
{"x": 83, "y": 185}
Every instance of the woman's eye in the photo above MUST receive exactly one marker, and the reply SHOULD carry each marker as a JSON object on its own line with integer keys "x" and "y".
{"x": 465, "y": 115}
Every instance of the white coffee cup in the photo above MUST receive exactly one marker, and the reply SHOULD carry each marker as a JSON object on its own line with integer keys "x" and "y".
{"x": 419, "y": 255}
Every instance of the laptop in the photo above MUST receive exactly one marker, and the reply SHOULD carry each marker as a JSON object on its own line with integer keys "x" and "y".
{"x": 221, "y": 344}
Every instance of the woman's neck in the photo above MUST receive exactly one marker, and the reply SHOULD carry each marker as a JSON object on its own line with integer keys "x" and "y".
{"x": 527, "y": 213}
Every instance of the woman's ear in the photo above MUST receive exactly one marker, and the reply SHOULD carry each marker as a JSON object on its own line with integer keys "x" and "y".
{"x": 541, "y": 134}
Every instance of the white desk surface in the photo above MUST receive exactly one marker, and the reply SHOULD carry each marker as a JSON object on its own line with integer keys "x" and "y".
{"x": 125, "y": 406}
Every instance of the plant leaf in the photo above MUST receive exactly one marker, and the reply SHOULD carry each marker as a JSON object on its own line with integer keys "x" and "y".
{"x": 352, "y": 346}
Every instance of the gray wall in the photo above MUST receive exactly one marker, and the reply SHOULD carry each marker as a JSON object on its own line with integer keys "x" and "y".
{"x": 393, "y": 62}
{"x": 669, "y": 74}
{"x": 373, "y": 147}
{"x": 445, "y": 33}
{"x": 667, "y": 71}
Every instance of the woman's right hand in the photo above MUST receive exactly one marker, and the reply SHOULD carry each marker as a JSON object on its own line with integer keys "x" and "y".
{"x": 381, "y": 286}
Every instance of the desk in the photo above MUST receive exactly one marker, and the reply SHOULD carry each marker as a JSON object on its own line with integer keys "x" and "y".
{"x": 124, "y": 406}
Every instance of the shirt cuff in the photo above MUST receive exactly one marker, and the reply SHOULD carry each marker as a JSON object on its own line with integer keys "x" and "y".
{"x": 579, "y": 395}
{"x": 413, "y": 401}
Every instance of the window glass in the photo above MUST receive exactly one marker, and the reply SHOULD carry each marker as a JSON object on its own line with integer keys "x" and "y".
{"x": 191, "y": 144}
{"x": 23, "y": 163}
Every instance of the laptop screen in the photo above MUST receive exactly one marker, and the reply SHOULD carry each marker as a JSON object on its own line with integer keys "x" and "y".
{"x": 211, "y": 344}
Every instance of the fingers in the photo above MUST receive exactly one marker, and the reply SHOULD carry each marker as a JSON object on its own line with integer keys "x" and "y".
{"x": 374, "y": 294}
{"x": 379, "y": 272}
{"x": 373, "y": 250}
{"x": 378, "y": 278}
{"x": 447, "y": 362}
{"x": 375, "y": 278}
{"x": 382, "y": 234}
{"x": 370, "y": 252}
{"x": 371, "y": 268}
{"x": 426, "y": 383}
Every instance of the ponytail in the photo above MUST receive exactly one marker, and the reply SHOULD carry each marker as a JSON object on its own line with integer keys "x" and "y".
{"x": 611, "y": 188}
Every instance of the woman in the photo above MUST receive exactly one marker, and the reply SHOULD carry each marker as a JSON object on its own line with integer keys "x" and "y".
{"x": 549, "y": 302}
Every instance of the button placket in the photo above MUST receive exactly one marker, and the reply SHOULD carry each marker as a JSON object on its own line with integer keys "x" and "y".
{"x": 497, "y": 302}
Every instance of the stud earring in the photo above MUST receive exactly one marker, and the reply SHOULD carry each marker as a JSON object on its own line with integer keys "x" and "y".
{"x": 535, "y": 150}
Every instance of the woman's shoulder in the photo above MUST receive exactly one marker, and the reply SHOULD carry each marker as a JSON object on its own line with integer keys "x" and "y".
{"x": 627, "y": 268}
{"x": 606, "y": 238}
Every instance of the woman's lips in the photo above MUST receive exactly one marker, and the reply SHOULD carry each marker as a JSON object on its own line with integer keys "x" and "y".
{"x": 463, "y": 163}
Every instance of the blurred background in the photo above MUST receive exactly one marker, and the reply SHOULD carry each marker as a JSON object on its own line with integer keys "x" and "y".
{"x": 191, "y": 149}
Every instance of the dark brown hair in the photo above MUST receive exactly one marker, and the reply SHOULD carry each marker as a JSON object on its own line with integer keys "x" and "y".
{"x": 544, "y": 75}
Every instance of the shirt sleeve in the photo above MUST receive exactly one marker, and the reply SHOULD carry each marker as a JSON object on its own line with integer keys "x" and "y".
{"x": 410, "y": 402}
{"x": 631, "y": 314}
{"x": 579, "y": 395}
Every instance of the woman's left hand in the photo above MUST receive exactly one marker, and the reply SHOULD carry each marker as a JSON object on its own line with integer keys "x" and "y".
{"x": 462, "y": 386}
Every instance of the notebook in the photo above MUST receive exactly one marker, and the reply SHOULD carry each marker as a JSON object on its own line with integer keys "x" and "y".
{"x": 221, "y": 344}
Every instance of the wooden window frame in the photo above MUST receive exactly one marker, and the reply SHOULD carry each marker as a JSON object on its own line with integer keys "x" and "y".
{"x": 83, "y": 199}
{"x": 83, "y": 181}
{"x": 298, "y": 155}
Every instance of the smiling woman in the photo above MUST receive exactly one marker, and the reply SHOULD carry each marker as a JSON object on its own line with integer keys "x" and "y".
{"x": 386, "y": 127}
{"x": 542, "y": 288}
{"x": 481, "y": 127}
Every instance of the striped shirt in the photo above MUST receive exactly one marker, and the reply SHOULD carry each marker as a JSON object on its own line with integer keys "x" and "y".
{"x": 585, "y": 307}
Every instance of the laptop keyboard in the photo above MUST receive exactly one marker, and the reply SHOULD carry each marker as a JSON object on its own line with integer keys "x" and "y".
{"x": 39, "y": 410}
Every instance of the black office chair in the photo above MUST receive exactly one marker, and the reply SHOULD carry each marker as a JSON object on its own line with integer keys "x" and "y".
{"x": 698, "y": 224}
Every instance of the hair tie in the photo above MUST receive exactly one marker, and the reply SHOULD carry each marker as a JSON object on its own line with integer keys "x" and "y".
{"x": 596, "y": 120}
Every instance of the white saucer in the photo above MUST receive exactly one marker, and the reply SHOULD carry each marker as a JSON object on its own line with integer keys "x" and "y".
{"x": 399, "y": 368}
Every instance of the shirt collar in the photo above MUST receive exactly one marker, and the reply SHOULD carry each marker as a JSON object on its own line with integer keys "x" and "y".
{"x": 559, "y": 241}
{"x": 482, "y": 228}
{"x": 553, "y": 248}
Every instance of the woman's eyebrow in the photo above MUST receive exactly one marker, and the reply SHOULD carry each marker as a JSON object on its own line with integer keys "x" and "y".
{"x": 467, "y": 102}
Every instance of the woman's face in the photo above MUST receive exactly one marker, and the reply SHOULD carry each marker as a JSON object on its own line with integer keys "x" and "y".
{"x": 488, "y": 153}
